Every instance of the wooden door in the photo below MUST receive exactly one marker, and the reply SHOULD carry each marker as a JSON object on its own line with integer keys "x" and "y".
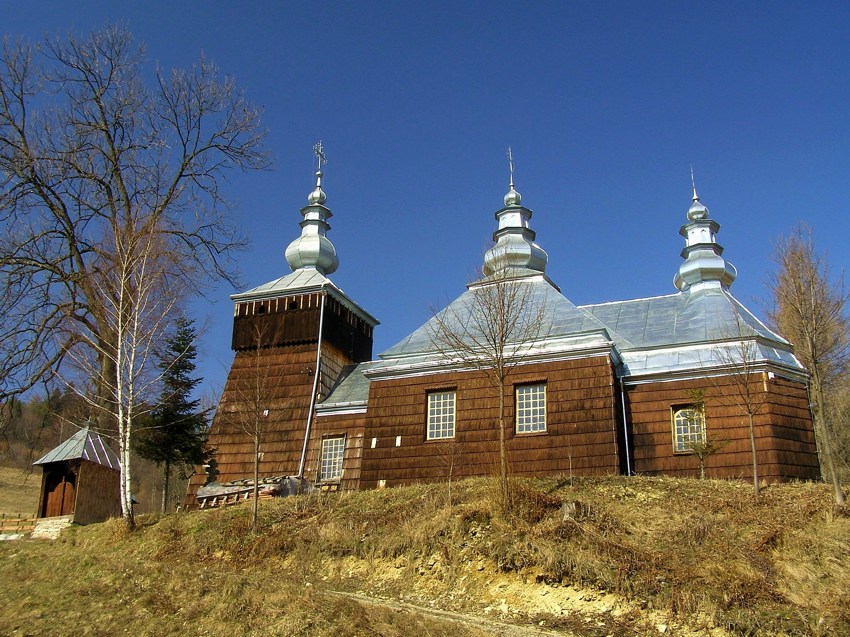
{"x": 61, "y": 495}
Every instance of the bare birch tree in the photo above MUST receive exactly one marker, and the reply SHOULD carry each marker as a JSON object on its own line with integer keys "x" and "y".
{"x": 109, "y": 200}
{"x": 499, "y": 321}
{"x": 810, "y": 310}
{"x": 87, "y": 150}
{"x": 137, "y": 305}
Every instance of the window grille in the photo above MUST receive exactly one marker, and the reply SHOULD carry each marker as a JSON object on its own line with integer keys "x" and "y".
{"x": 331, "y": 465}
{"x": 441, "y": 415}
{"x": 531, "y": 408}
{"x": 688, "y": 428}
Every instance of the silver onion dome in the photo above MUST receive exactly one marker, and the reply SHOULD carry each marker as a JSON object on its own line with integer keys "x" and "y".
{"x": 514, "y": 248}
{"x": 313, "y": 249}
{"x": 703, "y": 266}
{"x": 513, "y": 198}
{"x": 697, "y": 210}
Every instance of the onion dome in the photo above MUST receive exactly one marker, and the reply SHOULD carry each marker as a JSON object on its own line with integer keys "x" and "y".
{"x": 513, "y": 198}
{"x": 515, "y": 248}
{"x": 697, "y": 211}
{"x": 704, "y": 266}
{"x": 313, "y": 249}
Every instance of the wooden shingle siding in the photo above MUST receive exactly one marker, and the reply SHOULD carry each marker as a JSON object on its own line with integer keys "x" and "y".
{"x": 350, "y": 426}
{"x": 295, "y": 320}
{"x": 579, "y": 433}
{"x": 289, "y": 372}
{"x": 278, "y": 340}
{"x": 98, "y": 496}
{"x": 783, "y": 430}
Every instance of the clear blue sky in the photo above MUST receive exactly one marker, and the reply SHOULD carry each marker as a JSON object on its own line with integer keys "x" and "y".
{"x": 606, "y": 106}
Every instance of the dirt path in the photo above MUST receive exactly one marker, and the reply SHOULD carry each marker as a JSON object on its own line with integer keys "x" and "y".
{"x": 476, "y": 622}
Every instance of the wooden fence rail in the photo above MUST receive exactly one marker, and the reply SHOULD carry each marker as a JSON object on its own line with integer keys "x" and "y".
{"x": 17, "y": 523}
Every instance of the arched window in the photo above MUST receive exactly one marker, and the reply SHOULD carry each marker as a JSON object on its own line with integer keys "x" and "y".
{"x": 688, "y": 427}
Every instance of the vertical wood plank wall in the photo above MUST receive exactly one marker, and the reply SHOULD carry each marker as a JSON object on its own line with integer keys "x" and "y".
{"x": 98, "y": 493}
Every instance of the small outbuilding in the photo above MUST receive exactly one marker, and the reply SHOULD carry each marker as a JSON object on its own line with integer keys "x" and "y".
{"x": 80, "y": 480}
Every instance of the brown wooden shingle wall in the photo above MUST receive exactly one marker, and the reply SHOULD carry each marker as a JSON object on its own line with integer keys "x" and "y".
{"x": 783, "y": 430}
{"x": 283, "y": 378}
{"x": 276, "y": 343}
{"x": 351, "y": 426}
{"x": 580, "y": 432}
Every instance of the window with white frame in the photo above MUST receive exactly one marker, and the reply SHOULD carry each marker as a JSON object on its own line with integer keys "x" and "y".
{"x": 331, "y": 464}
{"x": 688, "y": 427}
{"x": 441, "y": 415}
{"x": 531, "y": 408}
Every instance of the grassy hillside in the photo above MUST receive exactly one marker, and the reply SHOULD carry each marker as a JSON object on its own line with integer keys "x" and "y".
{"x": 19, "y": 490}
{"x": 608, "y": 556}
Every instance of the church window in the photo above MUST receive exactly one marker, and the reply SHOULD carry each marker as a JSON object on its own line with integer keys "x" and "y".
{"x": 688, "y": 427}
{"x": 331, "y": 464}
{"x": 531, "y": 408}
{"x": 441, "y": 415}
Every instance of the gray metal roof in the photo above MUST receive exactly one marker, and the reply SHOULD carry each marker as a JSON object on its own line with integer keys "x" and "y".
{"x": 687, "y": 332}
{"x": 678, "y": 319}
{"x": 669, "y": 335}
{"x": 83, "y": 445}
{"x": 302, "y": 281}
{"x": 563, "y": 319}
{"x": 350, "y": 392}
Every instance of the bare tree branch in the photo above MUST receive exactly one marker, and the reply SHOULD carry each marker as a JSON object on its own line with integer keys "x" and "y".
{"x": 110, "y": 210}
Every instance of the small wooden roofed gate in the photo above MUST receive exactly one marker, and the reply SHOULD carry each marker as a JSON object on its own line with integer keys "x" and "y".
{"x": 80, "y": 479}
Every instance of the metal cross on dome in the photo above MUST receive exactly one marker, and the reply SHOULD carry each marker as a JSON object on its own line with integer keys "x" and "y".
{"x": 511, "y": 165}
{"x": 319, "y": 152}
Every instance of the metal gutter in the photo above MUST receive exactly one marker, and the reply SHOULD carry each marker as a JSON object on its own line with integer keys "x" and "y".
{"x": 625, "y": 427}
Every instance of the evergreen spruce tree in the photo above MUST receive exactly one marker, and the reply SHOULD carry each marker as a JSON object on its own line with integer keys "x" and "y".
{"x": 176, "y": 438}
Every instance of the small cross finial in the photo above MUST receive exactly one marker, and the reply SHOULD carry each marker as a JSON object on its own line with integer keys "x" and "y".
{"x": 511, "y": 166}
{"x": 319, "y": 152}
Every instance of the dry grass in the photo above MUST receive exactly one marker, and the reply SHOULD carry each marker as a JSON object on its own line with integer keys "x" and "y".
{"x": 19, "y": 490}
{"x": 704, "y": 552}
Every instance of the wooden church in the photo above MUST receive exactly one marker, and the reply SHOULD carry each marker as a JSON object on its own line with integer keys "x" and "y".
{"x": 640, "y": 386}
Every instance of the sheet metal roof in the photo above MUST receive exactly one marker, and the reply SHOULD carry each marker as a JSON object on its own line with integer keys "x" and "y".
{"x": 663, "y": 335}
{"x": 299, "y": 281}
{"x": 350, "y": 392}
{"x": 679, "y": 319}
{"x": 687, "y": 331}
{"x": 563, "y": 319}
{"x": 83, "y": 445}
{"x": 302, "y": 281}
